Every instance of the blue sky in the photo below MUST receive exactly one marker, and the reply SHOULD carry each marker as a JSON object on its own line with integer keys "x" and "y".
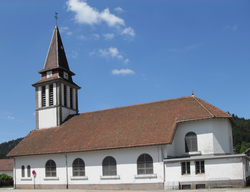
{"x": 125, "y": 53}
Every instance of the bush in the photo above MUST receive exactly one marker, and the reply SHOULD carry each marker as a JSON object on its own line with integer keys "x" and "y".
{"x": 4, "y": 177}
{"x": 5, "y": 180}
{"x": 6, "y": 183}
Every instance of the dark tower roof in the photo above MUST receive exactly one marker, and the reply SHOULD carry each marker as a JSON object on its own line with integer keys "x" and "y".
{"x": 56, "y": 57}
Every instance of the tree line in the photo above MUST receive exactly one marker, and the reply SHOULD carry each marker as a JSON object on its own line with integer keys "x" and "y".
{"x": 241, "y": 138}
{"x": 6, "y": 147}
{"x": 241, "y": 134}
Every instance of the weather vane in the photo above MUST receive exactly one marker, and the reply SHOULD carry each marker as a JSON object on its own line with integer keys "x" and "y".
{"x": 56, "y": 17}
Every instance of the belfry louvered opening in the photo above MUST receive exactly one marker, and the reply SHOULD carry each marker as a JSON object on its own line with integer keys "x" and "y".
{"x": 71, "y": 98}
{"x": 43, "y": 97}
{"x": 51, "y": 95}
{"x": 65, "y": 95}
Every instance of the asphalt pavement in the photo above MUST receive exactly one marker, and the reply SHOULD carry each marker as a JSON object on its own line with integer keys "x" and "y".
{"x": 78, "y": 190}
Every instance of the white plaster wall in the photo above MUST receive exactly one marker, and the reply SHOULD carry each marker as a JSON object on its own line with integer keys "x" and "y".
{"x": 126, "y": 167}
{"x": 37, "y": 163}
{"x": 222, "y": 132}
{"x": 209, "y": 134}
{"x": 54, "y": 94}
{"x": 247, "y": 167}
{"x": 171, "y": 149}
{"x": 215, "y": 169}
{"x": 66, "y": 112}
{"x": 39, "y": 97}
{"x": 9, "y": 173}
{"x": 47, "y": 118}
{"x": 47, "y": 95}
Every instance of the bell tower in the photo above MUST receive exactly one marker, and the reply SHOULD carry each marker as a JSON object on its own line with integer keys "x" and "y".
{"x": 56, "y": 93}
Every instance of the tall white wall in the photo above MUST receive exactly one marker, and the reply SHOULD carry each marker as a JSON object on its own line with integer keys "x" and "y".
{"x": 47, "y": 118}
{"x": 213, "y": 137}
{"x": 126, "y": 167}
{"x": 222, "y": 136}
{"x": 215, "y": 169}
{"x": 66, "y": 112}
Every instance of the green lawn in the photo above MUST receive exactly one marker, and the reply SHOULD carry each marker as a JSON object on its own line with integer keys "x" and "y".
{"x": 7, "y": 187}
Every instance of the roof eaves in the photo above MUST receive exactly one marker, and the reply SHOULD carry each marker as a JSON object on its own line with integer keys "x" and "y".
{"x": 97, "y": 149}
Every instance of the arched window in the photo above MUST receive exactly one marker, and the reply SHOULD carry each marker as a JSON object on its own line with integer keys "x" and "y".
{"x": 145, "y": 164}
{"x": 28, "y": 171}
{"x": 109, "y": 166}
{"x": 78, "y": 167}
{"x": 23, "y": 171}
{"x": 50, "y": 168}
{"x": 190, "y": 142}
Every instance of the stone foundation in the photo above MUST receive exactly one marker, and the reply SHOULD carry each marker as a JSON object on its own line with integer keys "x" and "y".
{"x": 143, "y": 186}
{"x": 212, "y": 184}
{"x": 41, "y": 186}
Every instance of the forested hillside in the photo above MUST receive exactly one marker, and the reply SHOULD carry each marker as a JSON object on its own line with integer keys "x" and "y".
{"x": 6, "y": 147}
{"x": 241, "y": 134}
{"x": 241, "y": 138}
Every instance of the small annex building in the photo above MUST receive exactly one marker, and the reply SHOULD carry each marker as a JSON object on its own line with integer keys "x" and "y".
{"x": 171, "y": 144}
{"x": 6, "y": 167}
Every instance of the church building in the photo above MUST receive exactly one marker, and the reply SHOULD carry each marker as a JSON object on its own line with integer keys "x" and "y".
{"x": 180, "y": 143}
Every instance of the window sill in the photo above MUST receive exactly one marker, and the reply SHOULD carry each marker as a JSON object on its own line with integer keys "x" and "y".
{"x": 193, "y": 153}
{"x": 110, "y": 177}
{"x": 51, "y": 178}
{"x": 79, "y": 178}
{"x": 26, "y": 179}
{"x": 149, "y": 176}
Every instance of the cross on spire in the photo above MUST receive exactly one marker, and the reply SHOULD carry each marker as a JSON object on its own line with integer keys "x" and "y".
{"x": 56, "y": 17}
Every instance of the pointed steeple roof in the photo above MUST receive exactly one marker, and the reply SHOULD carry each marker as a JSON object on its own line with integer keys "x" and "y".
{"x": 56, "y": 57}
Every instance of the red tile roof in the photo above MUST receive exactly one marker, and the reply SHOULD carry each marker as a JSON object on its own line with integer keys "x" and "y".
{"x": 6, "y": 164}
{"x": 123, "y": 127}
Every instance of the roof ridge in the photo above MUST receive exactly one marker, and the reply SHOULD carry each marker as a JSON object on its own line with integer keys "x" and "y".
{"x": 214, "y": 106}
{"x": 196, "y": 99}
{"x": 135, "y": 105}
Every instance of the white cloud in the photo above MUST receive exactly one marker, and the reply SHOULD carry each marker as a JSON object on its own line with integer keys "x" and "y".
{"x": 92, "y": 53}
{"x": 128, "y": 31}
{"x": 118, "y": 9}
{"x": 123, "y": 72}
{"x": 84, "y": 14}
{"x": 62, "y": 29}
{"x": 96, "y": 36}
{"x": 69, "y": 33}
{"x": 112, "y": 51}
{"x": 81, "y": 37}
{"x": 109, "y": 35}
{"x": 126, "y": 61}
{"x": 234, "y": 28}
{"x": 9, "y": 117}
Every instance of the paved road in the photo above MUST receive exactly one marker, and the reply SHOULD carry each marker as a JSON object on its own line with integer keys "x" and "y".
{"x": 76, "y": 190}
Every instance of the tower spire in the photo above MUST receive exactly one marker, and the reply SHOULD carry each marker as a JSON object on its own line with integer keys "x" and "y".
{"x": 56, "y": 92}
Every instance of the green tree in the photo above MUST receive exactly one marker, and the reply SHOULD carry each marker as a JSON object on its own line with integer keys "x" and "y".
{"x": 6, "y": 147}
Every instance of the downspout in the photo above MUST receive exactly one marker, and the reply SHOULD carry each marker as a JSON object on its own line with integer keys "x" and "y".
{"x": 162, "y": 157}
{"x": 14, "y": 173}
{"x": 66, "y": 166}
